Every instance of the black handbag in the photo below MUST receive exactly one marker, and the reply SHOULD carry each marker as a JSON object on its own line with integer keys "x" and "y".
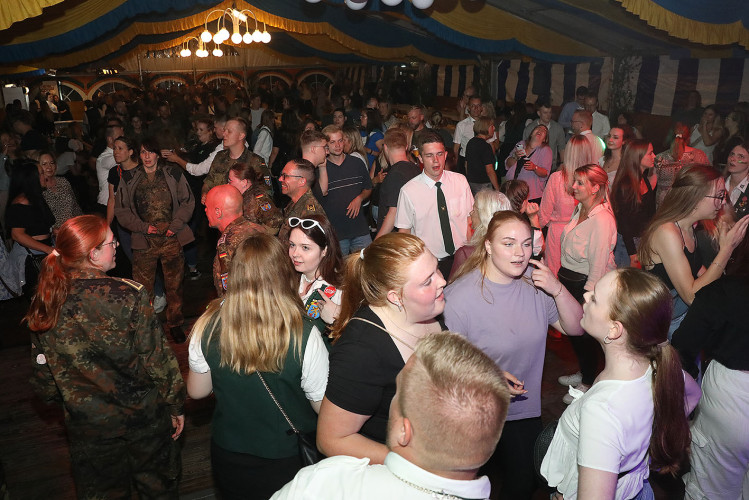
{"x": 308, "y": 452}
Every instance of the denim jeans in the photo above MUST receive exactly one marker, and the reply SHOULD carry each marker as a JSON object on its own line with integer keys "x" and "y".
{"x": 355, "y": 244}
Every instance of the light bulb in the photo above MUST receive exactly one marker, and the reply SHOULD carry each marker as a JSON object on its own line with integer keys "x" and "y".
{"x": 391, "y": 3}
{"x": 224, "y": 34}
{"x": 185, "y": 53}
{"x": 356, "y": 4}
{"x": 247, "y": 37}
{"x": 422, "y": 4}
{"x": 217, "y": 38}
{"x": 206, "y": 36}
{"x": 236, "y": 38}
{"x": 218, "y": 52}
{"x": 257, "y": 37}
{"x": 266, "y": 37}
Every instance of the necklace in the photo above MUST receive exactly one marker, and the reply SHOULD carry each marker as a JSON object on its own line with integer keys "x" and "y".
{"x": 307, "y": 280}
{"x": 431, "y": 493}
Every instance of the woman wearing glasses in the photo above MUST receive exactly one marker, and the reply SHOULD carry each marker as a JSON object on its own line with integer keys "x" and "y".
{"x": 315, "y": 254}
{"x": 98, "y": 347}
{"x": 668, "y": 247}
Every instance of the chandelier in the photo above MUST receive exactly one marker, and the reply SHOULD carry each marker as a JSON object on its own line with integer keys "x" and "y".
{"x": 202, "y": 50}
{"x": 360, "y": 4}
{"x": 237, "y": 17}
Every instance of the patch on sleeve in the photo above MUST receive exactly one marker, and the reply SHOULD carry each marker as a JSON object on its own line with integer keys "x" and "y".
{"x": 267, "y": 181}
{"x": 132, "y": 283}
{"x": 265, "y": 207}
{"x": 224, "y": 276}
{"x": 258, "y": 196}
{"x": 41, "y": 359}
{"x": 311, "y": 207}
{"x": 222, "y": 239}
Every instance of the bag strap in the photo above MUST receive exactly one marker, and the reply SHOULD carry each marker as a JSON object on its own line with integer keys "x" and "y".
{"x": 296, "y": 431}
{"x": 386, "y": 331}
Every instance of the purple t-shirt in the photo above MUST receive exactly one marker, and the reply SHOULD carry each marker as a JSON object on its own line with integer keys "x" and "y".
{"x": 508, "y": 323}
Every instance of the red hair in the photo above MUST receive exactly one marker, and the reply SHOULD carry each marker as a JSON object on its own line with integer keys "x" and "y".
{"x": 75, "y": 240}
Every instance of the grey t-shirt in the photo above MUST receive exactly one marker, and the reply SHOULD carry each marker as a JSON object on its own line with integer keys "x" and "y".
{"x": 509, "y": 323}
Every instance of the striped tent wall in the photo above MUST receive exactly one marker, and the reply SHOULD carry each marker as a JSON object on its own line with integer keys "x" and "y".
{"x": 451, "y": 81}
{"x": 518, "y": 80}
{"x": 661, "y": 84}
{"x": 357, "y": 74}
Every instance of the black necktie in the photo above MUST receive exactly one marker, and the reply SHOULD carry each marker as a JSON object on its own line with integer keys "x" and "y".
{"x": 447, "y": 233}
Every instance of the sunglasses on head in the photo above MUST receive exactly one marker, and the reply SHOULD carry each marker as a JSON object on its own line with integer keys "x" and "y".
{"x": 305, "y": 223}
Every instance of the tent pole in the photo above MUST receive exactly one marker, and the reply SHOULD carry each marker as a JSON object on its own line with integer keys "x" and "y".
{"x": 140, "y": 70}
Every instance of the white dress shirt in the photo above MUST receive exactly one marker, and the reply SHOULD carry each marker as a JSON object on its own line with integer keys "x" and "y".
{"x": 417, "y": 210}
{"x": 347, "y": 478}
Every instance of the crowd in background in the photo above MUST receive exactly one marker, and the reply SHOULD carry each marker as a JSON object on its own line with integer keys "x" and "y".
{"x": 346, "y": 232}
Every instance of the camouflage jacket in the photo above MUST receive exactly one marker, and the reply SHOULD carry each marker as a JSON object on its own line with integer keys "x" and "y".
{"x": 222, "y": 163}
{"x": 107, "y": 359}
{"x": 307, "y": 204}
{"x": 258, "y": 207}
{"x": 234, "y": 234}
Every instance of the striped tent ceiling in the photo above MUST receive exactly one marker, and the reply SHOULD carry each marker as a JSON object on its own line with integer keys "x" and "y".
{"x": 78, "y": 34}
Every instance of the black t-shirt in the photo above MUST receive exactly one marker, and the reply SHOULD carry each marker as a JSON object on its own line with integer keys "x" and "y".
{"x": 716, "y": 324}
{"x": 36, "y": 221}
{"x": 398, "y": 175}
{"x": 479, "y": 154}
{"x": 363, "y": 366}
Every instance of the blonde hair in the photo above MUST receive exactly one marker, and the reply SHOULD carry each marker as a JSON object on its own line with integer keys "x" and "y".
{"x": 456, "y": 398}
{"x": 371, "y": 274}
{"x": 479, "y": 259}
{"x": 692, "y": 184}
{"x": 261, "y": 312}
{"x": 486, "y": 203}
{"x": 577, "y": 153}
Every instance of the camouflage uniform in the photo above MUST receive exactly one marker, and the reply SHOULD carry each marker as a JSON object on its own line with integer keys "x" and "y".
{"x": 258, "y": 207}
{"x": 306, "y": 205}
{"x": 165, "y": 202}
{"x": 234, "y": 234}
{"x": 109, "y": 363}
{"x": 222, "y": 163}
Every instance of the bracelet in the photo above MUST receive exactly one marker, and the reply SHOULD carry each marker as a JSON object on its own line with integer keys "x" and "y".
{"x": 561, "y": 287}
{"x": 719, "y": 266}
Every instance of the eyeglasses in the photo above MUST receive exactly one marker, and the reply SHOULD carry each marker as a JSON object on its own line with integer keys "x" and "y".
{"x": 286, "y": 176}
{"x": 305, "y": 223}
{"x": 114, "y": 243}
{"x": 719, "y": 198}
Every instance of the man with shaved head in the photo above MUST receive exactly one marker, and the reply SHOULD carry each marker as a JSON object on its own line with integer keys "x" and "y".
{"x": 223, "y": 207}
{"x": 445, "y": 420}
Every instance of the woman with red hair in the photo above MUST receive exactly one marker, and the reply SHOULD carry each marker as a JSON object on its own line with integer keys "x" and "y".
{"x": 98, "y": 347}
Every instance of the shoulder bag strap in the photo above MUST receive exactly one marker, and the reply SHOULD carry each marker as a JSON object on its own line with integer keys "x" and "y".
{"x": 371, "y": 323}
{"x": 277, "y": 404}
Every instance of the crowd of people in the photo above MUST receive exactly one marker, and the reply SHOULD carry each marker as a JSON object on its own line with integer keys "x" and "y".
{"x": 348, "y": 241}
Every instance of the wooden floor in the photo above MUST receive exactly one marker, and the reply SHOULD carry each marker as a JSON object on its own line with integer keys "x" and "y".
{"x": 33, "y": 444}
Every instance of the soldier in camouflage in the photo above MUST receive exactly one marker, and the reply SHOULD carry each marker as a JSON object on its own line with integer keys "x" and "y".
{"x": 257, "y": 205}
{"x": 155, "y": 203}
{"x": 98, "y": 348}
{"x": 235, "y": 151}
{"x": 223, "y": 207}
{"x": 296, "y": 179}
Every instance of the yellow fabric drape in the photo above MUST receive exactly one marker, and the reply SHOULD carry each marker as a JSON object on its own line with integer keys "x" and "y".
{"x": 12, "y": 11}
{"x": 688, "y": 29}
{"x": 492, "y": 23}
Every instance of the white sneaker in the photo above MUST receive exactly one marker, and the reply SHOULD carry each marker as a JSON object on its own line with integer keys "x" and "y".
{"x": 159, "y": 303}
{"x": 574, "y": 393}
{"x": 572, "y": 380}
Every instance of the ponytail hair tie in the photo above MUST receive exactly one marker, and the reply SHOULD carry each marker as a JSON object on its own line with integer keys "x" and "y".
{"x": 361, "y": 254}
{"x": 55, "y": 252}
{"x": 679, "y": 136}
{"x": 663, "y": 344}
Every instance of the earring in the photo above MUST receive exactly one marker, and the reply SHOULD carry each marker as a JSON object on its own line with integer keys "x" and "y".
{"x": 606, "y": 340}
{"x": 399, "y": 306}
